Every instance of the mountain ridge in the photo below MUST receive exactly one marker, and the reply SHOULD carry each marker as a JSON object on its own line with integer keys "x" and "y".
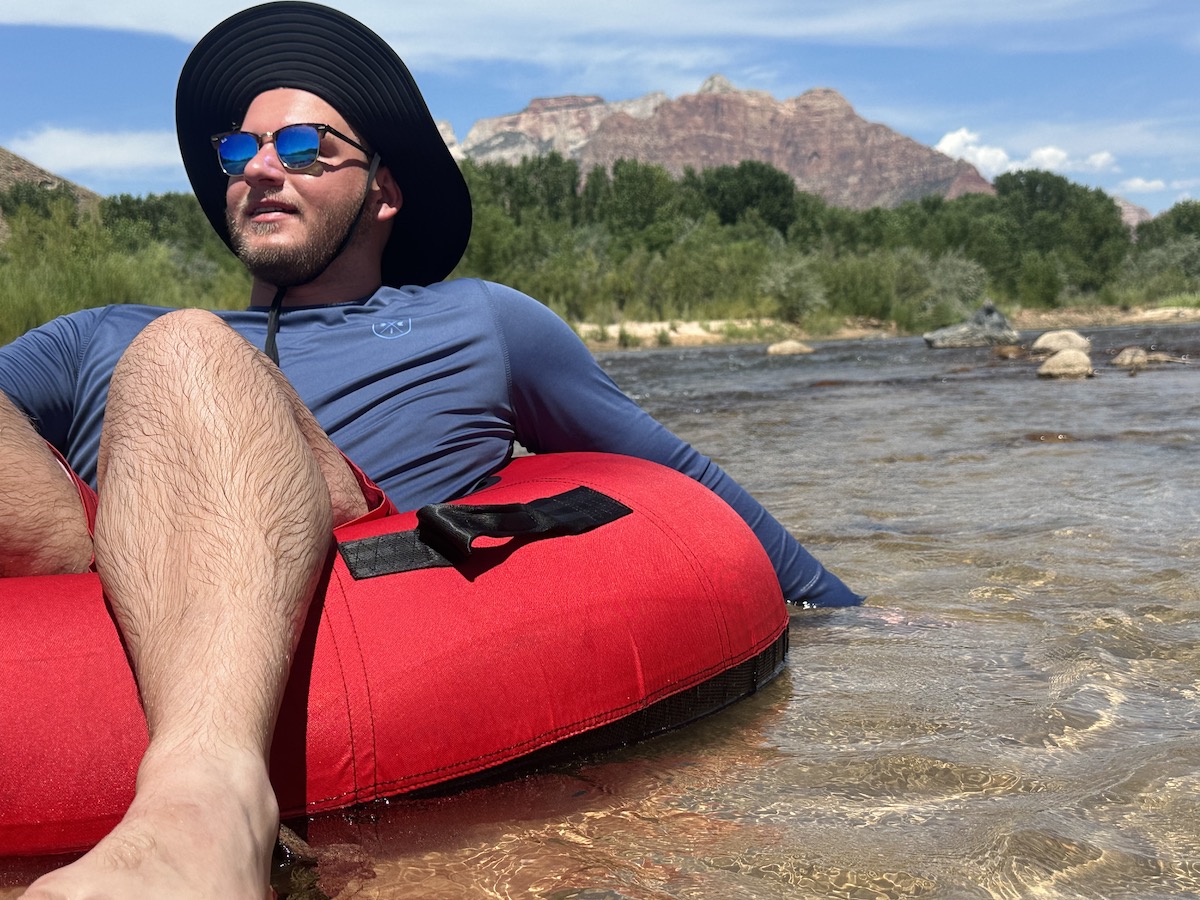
{"x": 816, "y": 137}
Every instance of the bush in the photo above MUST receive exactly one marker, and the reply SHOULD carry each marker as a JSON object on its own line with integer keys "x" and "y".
{"x": 57, "y": 260}
{"x": 858, "y": 285}
{"x": 791, "y": 282}
{"x": 1150, "y": 275}
{"x": 1040, "y": 282}
{"x": 958, "y": 287}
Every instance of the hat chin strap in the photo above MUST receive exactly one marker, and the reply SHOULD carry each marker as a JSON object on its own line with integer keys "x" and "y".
{"x": 270, "y": 347}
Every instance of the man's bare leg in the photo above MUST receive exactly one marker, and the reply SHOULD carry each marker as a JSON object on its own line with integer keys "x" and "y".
{"x": 215, "y": 518}
{"x": 43, "y": 530}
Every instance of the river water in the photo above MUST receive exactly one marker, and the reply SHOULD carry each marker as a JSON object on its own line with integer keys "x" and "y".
{"x": 1013, "y": 713}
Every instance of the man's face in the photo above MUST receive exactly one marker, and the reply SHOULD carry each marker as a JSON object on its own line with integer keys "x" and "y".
{"x": 285, "y": 225}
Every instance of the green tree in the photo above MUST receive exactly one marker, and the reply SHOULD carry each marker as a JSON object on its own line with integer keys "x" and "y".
{"x": 641, "y": 205}
{"x": 1079, "y": 227}
{"x": 538, "y": 186}
{"x": 733, "y": 191}
{"x": 808, "y": 230}
{"x": 595, "y": 195}
{"x": 1180, "y": 221}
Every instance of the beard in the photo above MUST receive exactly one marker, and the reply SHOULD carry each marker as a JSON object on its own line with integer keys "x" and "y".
{"x": 298, "y": 263}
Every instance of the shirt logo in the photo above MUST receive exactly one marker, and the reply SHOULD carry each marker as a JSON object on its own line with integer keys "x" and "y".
{"x": 389, "y": 331}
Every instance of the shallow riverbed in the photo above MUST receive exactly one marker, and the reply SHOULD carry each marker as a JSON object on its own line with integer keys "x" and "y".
{"x": 1012, "y": 714}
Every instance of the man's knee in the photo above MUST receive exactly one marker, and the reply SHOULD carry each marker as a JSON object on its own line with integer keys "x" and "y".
{"x": 183, "y": 338}
{"x": 181, "y": 373}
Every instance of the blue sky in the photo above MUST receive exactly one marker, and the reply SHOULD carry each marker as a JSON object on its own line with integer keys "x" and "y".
{"x": 1101, "y": 91}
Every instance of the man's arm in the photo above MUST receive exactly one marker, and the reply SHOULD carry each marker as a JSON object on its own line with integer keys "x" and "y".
{"x": 564, "y": 401}
{"x": 37, "y": 373}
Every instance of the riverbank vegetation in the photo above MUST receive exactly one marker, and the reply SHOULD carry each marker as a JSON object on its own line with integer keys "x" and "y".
{"x": 636, "y": 244}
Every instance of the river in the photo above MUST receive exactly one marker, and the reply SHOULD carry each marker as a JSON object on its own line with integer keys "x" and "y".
{"x": 1013, "y": 713}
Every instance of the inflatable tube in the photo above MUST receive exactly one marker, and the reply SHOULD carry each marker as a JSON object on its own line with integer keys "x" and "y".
{"x": 630, "y": 600}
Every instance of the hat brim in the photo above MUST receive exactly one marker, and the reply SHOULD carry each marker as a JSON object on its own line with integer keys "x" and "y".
{"x": 294, "y": 44}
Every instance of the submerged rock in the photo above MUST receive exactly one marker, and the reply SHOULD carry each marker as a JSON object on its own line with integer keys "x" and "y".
{"x": 987, "y": 328}
{"x": 1131, "y": 358}
{"x": 788, "y": 348}
{"x": 1136, "y": 358}
{"x": 1069, "y": 363}
{"x": 1066, "y": 339}
{"x": 293, "y": 864}
{"x": 1009, "y": 351}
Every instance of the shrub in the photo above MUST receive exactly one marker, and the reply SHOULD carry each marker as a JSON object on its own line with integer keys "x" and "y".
{"x": 1152, "y": 274}
{"x": 791, "y": 282}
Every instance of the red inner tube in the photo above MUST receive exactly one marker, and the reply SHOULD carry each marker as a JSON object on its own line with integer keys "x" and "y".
{"x": 409, "y": 681}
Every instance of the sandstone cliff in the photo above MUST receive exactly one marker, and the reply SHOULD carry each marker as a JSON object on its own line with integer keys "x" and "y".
{"x": 1132, "y": 214}
{"x": 817, "y": 138}
{"x": 562, "y": 124}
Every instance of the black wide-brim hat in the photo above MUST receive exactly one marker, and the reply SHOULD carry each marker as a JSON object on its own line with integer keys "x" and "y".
{"x": 293, "y": 44}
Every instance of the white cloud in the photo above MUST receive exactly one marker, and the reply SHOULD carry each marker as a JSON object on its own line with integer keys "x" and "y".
{"x": 964, "y": 144}
{"x": 66, "y": 151}
{"x": 992, "y": 161}
{"x": 1141, "y": 186}
{"x": 1051, "y": 159}
{"x": 177, "y": 20}
{"x": 1101, "y": 162}
{"x": 1055, "y": 159}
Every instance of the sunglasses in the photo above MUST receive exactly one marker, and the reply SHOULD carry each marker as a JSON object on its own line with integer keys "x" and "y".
{"x": 297, "y": 146}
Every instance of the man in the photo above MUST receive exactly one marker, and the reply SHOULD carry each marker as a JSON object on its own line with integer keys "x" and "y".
{"x": 218, "y": 483}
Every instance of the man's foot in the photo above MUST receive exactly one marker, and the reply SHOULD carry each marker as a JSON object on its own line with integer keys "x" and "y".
{"x": 197, "y": 829}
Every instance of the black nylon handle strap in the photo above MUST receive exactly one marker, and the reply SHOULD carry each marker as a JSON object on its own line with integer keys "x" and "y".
{"x": 456, "y": 527}
{"x": 574, "y": 512}
{"x": 447, "y": 531}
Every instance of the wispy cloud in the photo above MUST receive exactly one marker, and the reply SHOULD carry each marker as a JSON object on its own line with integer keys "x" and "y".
{"x": 482, "y": 29}
{"x": 71, "y": 151}
{"x": 1142, "y": 186}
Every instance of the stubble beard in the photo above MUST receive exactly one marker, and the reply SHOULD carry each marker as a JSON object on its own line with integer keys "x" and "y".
{"x": 297, "y": 263}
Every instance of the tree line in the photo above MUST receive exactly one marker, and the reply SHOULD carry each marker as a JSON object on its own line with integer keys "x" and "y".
{"x": 637, "y": 244}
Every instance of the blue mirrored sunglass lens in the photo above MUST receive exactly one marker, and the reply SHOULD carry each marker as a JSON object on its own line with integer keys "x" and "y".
{"x": 235, "y": 150}
{"x": 298, "y": 146}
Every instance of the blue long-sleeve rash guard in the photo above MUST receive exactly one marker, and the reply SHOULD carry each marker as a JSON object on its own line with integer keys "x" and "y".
{"x": 424, "y": 388}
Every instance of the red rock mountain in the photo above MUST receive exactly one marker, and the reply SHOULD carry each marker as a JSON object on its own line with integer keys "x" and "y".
{"x": 817, "y": 138}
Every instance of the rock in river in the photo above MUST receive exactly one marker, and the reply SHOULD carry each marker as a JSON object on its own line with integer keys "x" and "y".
{"x": 1069, "y": 363}
{"x": 788, "y": 348}
{"x": 1066, "y": 339}
{"x": 987, "y": 328}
